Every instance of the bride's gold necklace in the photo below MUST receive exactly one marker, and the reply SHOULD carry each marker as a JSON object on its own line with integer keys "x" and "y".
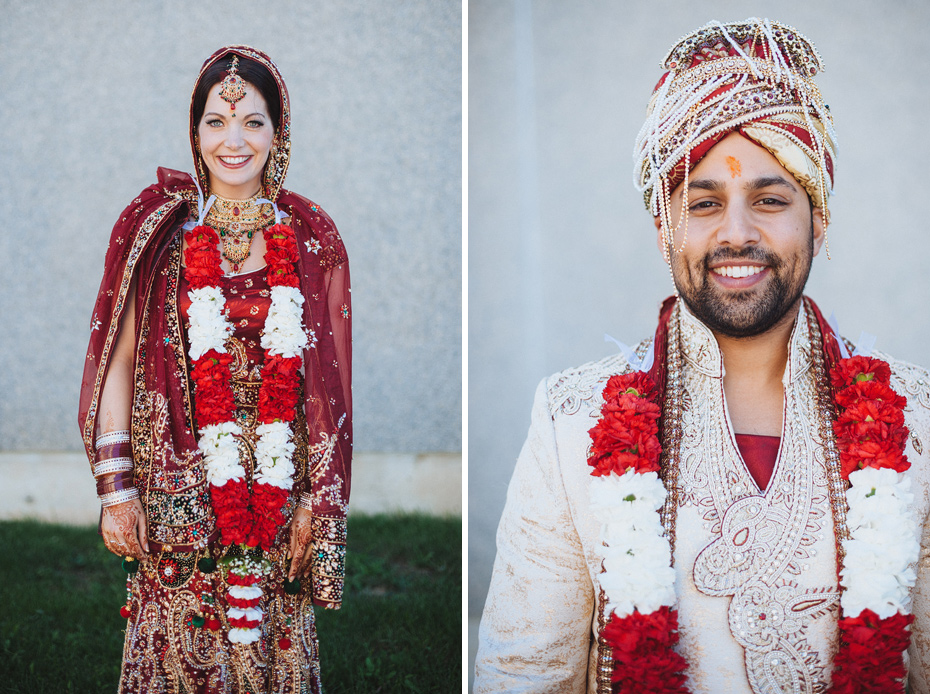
{"x": 236, "y": 221}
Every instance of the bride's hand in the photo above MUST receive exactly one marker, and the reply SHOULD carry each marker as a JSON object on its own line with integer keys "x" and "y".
{"x": 124, "y": 529}
{"x": 301, "y": 543}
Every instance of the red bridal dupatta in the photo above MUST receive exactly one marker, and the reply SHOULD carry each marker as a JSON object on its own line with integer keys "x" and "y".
{"x": 145, "y": 250}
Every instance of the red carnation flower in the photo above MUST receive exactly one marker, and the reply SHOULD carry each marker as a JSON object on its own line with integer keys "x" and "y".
{"x": 231, "y": 506}
{"x": 267, "y": 504}
{"x": 639, "y": 382}
{"x": 279, "y": 233}
{"x": 626, "y": 435}
{"x": 211, "y": 376}
{"x": 644, "y": 659}
{"x": 202, "y": 257}
{"x": 277, "y": 396}
{"x": 242, "y": 603}
{"x": 281, "y": 274}
{"x": 858, "y": 369}
{"x": 620, "y": 445}
{"x": 870, "y": 429}
{"x": 244, "y": 623}
{"x": 281, "y": 256}
{"x": 283, "y": 247}
{"x": 871, "y": 659}
{"x": 872, "y": 411}
{"x": 235, "y": 579}
{"x": 870, "y": 390}
{"x": 877, "y": 454}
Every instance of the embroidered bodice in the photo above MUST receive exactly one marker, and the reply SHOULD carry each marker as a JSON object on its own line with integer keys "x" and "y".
{"x": 247, "y": 300}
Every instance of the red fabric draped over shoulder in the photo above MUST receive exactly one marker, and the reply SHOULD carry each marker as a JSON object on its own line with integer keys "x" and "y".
{"x": 144, "y": 251}
{"x": 324, "y": 278}
{"x": 139, "y": 239}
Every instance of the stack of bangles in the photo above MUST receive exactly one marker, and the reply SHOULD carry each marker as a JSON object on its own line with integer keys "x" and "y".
{"x": 113, "y": 469}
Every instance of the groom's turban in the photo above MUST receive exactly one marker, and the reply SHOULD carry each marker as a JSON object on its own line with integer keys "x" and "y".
{"x": 753, "y": 77}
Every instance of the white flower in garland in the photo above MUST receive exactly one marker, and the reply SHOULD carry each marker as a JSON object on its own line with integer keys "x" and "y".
{"x": 250, "y": 613}
{"x": 645, "y": 487}
{"x": 883, "y": 546}
{"x": 245, "y": 592}
{"x": 244, "y": 636}
{"x": 284, "y": 332}
{"x": 209, "y": 326}
{"x": 273, "y": 454}
{"x": 637, "y": 557}
{"x": 220, "y": 447}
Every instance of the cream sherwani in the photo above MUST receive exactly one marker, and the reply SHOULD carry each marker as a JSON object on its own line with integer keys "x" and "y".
{"x": 756, "y": 571}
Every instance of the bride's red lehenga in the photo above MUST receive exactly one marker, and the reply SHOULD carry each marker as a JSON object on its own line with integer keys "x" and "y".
{"x": 177, "y": 631}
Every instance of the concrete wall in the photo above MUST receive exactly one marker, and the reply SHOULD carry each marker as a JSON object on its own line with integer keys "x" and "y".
{"x": 560, "y": 247}
{"x": 94, "y": 96}
{"x": 381, "y": 483}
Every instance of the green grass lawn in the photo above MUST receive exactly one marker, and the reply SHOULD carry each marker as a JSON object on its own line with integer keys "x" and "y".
{"x": 399, "y": 629}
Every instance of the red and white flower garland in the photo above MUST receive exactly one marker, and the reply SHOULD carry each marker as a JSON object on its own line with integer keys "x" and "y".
{"x": 875, "y": 576}
{"x": 638, "y": 578}
{"x": 243, "y": 518}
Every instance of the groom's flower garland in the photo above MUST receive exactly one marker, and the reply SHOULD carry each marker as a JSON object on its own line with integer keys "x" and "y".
{"x": 638, "y": 578}
{"x": 243, "y": 518}
{"x": 639, "y": 581}
{"x": 875, "y": 576}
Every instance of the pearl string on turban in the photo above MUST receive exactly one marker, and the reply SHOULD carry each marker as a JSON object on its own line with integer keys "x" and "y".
{"x": 753, "y": 77}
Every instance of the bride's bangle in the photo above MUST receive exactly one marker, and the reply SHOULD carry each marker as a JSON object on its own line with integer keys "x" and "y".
{"x": 111, "y": 465}
{"x": 111, "y": 437}
{"x": 114, "y": 483}
{"x": 118, "y": 497}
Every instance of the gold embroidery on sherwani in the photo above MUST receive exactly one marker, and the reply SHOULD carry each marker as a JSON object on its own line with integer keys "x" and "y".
{"x": 548, "y": 541}
{"x": 577, "y": 386}
{"x": 761, "y": 543}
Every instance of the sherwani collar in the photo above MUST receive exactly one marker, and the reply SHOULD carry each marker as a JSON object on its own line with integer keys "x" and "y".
{"x": 702, "y": 353}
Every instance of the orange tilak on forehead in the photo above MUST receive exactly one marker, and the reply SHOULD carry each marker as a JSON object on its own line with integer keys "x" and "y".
{"x": 735, "y": 168}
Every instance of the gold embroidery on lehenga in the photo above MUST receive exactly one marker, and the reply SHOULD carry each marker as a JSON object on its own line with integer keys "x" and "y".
{"x": 175, "y": 330}
{"x": 164, "y": 651}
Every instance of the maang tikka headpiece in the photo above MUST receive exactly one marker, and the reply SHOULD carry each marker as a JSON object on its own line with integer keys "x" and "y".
{"x": 232, "y": 89}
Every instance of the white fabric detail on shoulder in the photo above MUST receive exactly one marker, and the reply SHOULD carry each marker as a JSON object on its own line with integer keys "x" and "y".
{"x": 864, "y": 345}
{"x": 278, "y": 214}
{"x": 638, "y": 364}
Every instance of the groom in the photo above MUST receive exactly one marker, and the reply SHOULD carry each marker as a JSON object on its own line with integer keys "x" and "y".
{"x": 737, "y": 504}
